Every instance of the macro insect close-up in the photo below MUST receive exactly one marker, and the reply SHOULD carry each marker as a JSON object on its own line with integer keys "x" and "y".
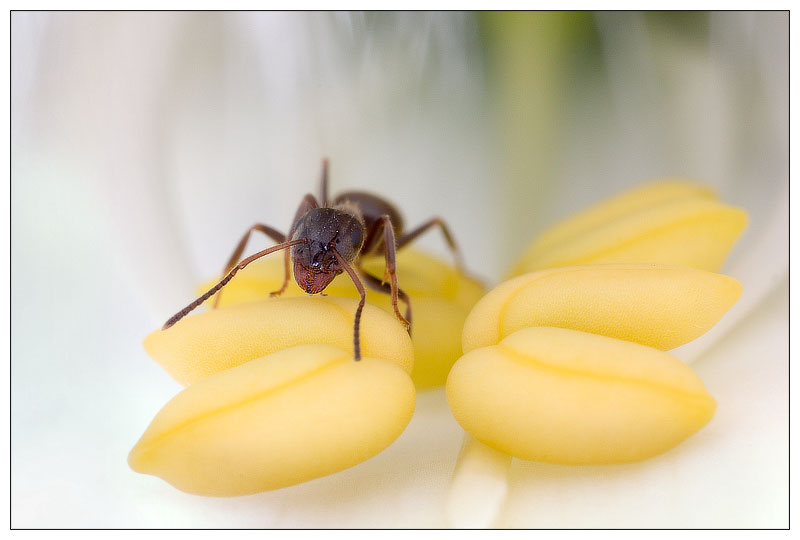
{"x": 328, "y": 237}
{"x": 412, "y": 269}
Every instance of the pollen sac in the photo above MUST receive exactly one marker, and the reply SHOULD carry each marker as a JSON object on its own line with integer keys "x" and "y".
{"x": 655, "y": 305}
{"x": 278, "y": 420}
{"x": 569, "y": 397}
{"x": 566, "y": 365}
{"x": 206, "y": 343}
{"x": 671, "y": 222}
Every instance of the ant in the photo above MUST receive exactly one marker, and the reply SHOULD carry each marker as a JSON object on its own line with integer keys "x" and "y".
{"x": 329, "y": 238}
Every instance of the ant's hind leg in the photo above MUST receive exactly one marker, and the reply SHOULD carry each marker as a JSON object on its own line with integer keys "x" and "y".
{"x": 434, "y": 222}
{"x": 237, "y": 253}
{"x": 380, "y": 286}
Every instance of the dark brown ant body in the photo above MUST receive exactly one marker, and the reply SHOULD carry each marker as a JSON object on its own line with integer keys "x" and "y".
{"x": 329, "y": 238}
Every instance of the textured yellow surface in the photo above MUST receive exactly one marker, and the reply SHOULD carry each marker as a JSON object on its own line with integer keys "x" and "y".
{"x": 659, "y": 306}
{"x": 206, "y": 343}
{"x": 569, "y": 397}
{"x": 675, "y": 223}
{"x": 620, "y": 205}
{"x": 278, "y": 420}
{"x": 441, "y": 297}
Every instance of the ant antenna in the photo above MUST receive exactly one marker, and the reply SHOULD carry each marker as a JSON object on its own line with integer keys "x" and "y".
{"x": 363, "y": 293}
{"x": 185, "y": 311}
{"x": 324, "y": 183}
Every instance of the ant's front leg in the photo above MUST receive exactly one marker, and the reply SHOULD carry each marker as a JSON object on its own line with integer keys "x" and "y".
{"x": 275, "y": 294}
{"x": 380, "y": 286}
{"x": 390, "y": 253}
{"x": 237, "y": 253}
{"x": 435, "y": 222}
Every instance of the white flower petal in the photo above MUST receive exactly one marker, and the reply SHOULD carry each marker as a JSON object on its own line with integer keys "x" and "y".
{"x": 144, "y": 144}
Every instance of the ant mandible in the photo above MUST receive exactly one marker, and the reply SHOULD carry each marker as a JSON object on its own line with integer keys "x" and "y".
{"x": 328, "y": 238}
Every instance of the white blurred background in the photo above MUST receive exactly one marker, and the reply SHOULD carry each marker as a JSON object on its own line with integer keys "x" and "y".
{"x": 144, "y": 145}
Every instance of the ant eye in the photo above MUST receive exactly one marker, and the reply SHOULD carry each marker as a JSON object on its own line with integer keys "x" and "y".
{"x": 355, "y": 237}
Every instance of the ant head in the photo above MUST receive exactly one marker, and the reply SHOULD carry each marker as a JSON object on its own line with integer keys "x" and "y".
{"x": 324, "y": 230}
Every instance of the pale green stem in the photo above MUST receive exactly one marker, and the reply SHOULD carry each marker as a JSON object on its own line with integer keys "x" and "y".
{"x": 479, "y": 486}
{"x": 526, "y": 55}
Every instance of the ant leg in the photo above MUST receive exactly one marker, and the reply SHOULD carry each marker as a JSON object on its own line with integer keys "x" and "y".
{"x": 269, "y": 231}
{"x": 306, "y": 204}
{"x": 324, "y": 183}
{"x": 363, "y": 293}
{"x": 224, "y": 281}
{"x": 380, "y": 286}
{"x": 411, "y": 235}
{"x": 285, "y": 283}
{"x": 390, "y": 252}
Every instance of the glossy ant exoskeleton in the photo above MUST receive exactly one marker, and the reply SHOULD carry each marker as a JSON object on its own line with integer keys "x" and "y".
{"x": 328, "y": 238}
